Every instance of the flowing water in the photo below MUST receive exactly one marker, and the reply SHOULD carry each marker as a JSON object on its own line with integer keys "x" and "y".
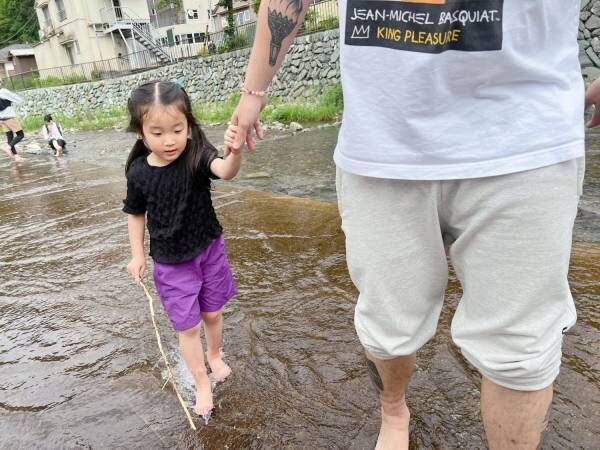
{"x": 80, "y": 368}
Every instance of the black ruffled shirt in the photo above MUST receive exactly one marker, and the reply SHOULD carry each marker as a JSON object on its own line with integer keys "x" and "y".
{"x": 180, "y": 215}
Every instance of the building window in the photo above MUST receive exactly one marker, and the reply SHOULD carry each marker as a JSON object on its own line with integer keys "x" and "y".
{"x": 197, "y": 37}
{"x": 60, "y": 6}
{"x": 46, "y": 14}
{"x": 192, "y": 14}
{"x": 242, "y": 17}
{"x": 190, "y": 38}
{"x": 177, "y": 39}
{"x": 70, "y": 53}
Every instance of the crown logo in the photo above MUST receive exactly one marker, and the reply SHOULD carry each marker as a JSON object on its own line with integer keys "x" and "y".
{"x": 361, "y": 32}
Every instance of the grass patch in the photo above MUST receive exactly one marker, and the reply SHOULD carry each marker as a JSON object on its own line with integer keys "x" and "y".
{"x": 81, "y": 121}
{"x": 328, "y": 106}
{"x": 325, "y": 107}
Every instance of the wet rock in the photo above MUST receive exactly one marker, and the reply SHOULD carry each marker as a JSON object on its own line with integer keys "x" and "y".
{"x": 295, "y": 126}
{"x": 256, "y": 175}
{"x": 33, "y": 148}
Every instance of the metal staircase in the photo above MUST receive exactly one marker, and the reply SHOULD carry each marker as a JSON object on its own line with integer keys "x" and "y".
{"x": 125, "y": 22}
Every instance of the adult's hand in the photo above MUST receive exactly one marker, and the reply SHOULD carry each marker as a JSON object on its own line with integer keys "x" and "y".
{"x": 592, "y": 97}
{"x": 245, "y": 117}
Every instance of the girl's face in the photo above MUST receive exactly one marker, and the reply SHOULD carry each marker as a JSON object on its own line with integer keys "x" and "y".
{"x": 165, "y": 133}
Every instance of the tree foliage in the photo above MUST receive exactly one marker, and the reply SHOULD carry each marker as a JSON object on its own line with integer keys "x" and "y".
{"x": 229, "y": 30}
{"x": 18, "y": 22}
{"x": 177, "y": 4}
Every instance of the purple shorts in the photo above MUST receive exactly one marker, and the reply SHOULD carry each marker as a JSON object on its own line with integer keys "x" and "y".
{"x": 203, "y": 284}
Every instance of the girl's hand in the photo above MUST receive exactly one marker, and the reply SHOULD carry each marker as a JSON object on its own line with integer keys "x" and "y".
{"x": 229, "y": 139}
{"x": 136, "y": 268}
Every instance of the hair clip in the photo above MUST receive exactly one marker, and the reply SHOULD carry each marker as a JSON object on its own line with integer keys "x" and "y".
{"x": 178, "y": 83}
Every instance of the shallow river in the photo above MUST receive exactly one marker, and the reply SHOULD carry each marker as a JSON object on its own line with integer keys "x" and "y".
{"x": 80, "y": 368}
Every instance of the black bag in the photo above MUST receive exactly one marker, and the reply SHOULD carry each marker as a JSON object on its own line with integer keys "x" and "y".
{"x": 4, "y": 104}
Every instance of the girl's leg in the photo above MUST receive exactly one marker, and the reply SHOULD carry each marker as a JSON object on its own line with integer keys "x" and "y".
{"x": 191, "y": 350}
{"x": 57, "y": 148}
{"x": 213, "y": 331}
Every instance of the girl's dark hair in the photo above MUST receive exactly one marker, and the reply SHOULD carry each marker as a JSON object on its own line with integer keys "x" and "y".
{"x": 164, "y": 93}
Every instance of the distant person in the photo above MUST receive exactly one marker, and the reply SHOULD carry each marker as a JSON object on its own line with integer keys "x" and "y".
{"x": 10, "y": 123}
{"x": 53, "y": 134}
{"x": 212, "y": 48}
{"x": 169, "y": 172}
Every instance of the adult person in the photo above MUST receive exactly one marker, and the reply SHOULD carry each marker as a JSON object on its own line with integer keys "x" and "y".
{"x": 463, "y": 125}
{"x": 53, "y": 135}
{"x": 10, "y": 123}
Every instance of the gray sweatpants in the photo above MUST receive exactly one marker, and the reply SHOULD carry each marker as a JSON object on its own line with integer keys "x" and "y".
{"x": 510, "y": 241}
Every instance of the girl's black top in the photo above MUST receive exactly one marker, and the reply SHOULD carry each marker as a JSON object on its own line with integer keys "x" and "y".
{"x": 180, "y": 215}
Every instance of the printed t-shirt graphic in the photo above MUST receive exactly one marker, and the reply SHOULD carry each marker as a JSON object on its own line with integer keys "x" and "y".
{"x": 433, "y": 26}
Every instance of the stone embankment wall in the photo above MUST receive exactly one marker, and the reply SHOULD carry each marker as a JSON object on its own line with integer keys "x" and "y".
{"x": 589, "y": 38}
{"x": 313, "y": 63}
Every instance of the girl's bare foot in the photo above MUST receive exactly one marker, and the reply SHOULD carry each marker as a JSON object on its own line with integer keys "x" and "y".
{"x": 219, "y": 369}
{"x": 19, "y": 158}
{"x": 204, "y": 401}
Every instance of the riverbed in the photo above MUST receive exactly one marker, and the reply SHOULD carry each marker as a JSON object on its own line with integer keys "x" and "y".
{"x": 80, "y": 368}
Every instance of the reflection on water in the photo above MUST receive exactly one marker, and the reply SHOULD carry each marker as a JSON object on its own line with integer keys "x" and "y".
{"x": 79, "y": 366}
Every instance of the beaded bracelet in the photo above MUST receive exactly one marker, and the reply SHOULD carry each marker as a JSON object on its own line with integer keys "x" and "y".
{"x": 245, "y": 90}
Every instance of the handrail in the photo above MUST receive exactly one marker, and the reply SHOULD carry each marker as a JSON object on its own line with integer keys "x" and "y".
{"x": 129, "y": 17}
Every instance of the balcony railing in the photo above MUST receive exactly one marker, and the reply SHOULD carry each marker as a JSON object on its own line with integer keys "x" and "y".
{"x": 321, "y": 15}
{"x": 80, "y": 73}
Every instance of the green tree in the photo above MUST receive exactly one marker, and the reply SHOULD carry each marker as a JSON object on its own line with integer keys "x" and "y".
{"x": 229, "y": 30}
{"x": 18, "y": 22}
{"x": 160, "y": 4}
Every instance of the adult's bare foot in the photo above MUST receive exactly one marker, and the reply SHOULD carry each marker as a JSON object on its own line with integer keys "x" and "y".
{"x": 393, "y": 434}
{"x": 8, "y": 152}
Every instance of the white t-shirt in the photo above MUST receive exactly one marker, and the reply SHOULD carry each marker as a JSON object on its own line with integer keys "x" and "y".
{"x": 453, "y": 89}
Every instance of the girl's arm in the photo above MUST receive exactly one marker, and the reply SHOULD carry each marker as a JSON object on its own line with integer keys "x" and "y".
{"x": 228, "y": 167}
{"x": 136, "y": 224}
{"x": 45, "y": 132}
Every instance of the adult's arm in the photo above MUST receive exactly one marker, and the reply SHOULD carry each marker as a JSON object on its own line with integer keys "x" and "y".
{"x": 592, "y": 97}
{"x": 9, "y": 95}
{"x": 277, "y": 25}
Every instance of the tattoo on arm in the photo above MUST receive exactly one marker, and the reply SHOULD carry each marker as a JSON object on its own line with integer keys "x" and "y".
{"x": 283, "y": 17}
{"x": 374, "y": 374}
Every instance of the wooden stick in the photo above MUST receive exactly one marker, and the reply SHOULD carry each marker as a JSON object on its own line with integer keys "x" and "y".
{"x": 169, "y": 371}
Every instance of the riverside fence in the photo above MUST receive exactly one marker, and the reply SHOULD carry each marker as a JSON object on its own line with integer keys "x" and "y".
{"x": 321, "y": 15}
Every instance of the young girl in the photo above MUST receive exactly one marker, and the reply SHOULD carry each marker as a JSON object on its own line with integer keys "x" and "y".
{"x": 169, "y": 173}
{"x": 53, "y": 135}
{"x": 10, "y": 123}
